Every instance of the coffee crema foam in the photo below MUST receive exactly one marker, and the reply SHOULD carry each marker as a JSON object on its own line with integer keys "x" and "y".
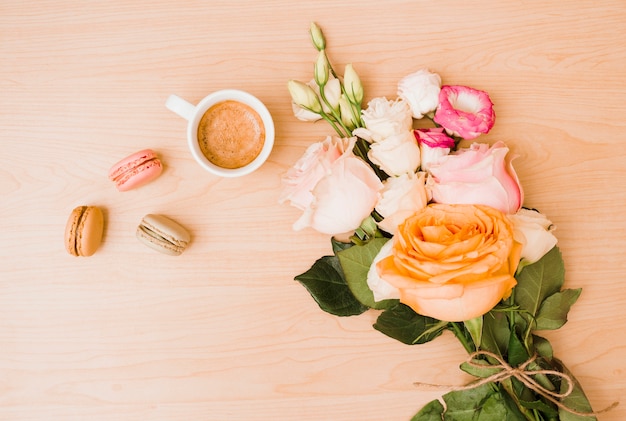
{"x": 231, "y": 134}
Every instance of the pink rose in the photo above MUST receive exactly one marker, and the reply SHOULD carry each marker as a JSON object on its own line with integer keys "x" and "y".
{"x": 335, "y": 189}
{"x": 479, "y": 175}
{"x": 434, "y": 144}
{"x": 464, "y": 111}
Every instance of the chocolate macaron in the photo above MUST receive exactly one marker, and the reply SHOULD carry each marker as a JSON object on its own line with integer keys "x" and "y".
{"x": 83, "y": 232}
{"x": 163, "y": 235}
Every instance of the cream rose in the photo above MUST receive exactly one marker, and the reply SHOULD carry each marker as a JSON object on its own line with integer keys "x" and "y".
{"x": 421, "y": 91}
{"x": 452, "y": 262}
{"x": 384, "y": 118}
{"x": 534, "y": 231}
{"x": 396, "y": 155}
{"x": 400, "y": 198}
{"x": 381, "y": 289}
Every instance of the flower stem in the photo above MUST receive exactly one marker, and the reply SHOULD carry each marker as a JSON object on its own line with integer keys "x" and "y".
{"x": 333, "y": 112}
{"x": 460, "y": 334}
{"x": 333, "y": 124}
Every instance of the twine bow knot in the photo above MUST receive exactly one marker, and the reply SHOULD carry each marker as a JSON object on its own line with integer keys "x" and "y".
{"x": 524, "y": 375}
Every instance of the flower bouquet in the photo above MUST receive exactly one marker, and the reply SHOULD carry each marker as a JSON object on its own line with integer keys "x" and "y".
{"x": 435, "y": 237}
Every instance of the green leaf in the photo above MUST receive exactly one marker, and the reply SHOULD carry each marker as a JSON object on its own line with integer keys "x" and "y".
{"x": 475, "y": 328}
{"x": 517, "y": 355}
{"x": 517, "y": 352}
{"x": 432, "y": 411}
{"x": 576, "y": 400}
{"x": 483, "y": 403}
{"x": 541, "y": 406}
{"x": 327, "y": 286}
{"x": 400, "y": 322}
{"x": 356, "y": 262}
{"x": 496, "y": 333}
{"x": 543, "y": 347}
{"x": 553, "y": 312}
{"x": 480, "y": 368}
{"x": 538, "y": 281}
{"x": 339, "y": 245}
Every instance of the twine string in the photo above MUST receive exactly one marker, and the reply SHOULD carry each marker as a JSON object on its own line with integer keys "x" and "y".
{"x": 523, "y": 375}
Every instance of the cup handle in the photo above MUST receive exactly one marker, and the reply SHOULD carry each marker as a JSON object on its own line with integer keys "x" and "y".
{"x": 181, "y": 107}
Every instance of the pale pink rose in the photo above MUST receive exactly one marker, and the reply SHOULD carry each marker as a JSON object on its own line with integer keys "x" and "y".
{"x": 397, "y": 154}
{"x": 464, "y": 111}
{"x": 384, "y": 118}
{"x": 400, "y": 198}
{"x": 533, "y": 231}
{"x": 479, "y": 175}
{"x": 301, "y": 179}
{"x": 434, "y": 144}
{"x": 421, "y": 91}
{"x": 335, "y": 189}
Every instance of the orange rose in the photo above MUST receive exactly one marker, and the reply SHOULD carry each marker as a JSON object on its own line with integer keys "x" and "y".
{"x": 453, "y": 262}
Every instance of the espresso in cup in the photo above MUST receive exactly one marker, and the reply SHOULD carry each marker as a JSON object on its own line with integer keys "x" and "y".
{"x": 231, "y": 134}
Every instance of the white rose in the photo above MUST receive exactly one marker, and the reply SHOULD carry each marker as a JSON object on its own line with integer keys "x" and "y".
{"x": 397, "y": 154}
{"x": 534, "y": 231}
{"x": 382, "y": 289}
{"x": 400, "y": 198}
{"x": 421, "y": 91}
{"x": 384, "y": 118}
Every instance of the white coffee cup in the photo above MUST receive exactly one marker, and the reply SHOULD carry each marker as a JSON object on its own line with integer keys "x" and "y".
{"x": 193, "y": 114}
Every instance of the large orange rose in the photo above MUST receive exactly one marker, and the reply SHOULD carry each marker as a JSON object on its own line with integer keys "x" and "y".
{"x": 453, "y": 262}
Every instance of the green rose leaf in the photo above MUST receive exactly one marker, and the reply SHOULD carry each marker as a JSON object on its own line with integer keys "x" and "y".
{"x": 432, "y": 411}
{"x": 553, "y": 311}
{"x": 517, "y": 352}
{"x": 575, "y": 400}
{"x": 543, "y": 347}
{"x": 356, "y": 262}
{"x": 496, "y": 333}
{"x": 400, "y": 322}
{"x": 539, "y": 280}
{"x": 327, "y": 286}
{"x": 485, "y": 402}
{"x": 540, "y": 406}
{"x": 475, "y": 328}
{"x": 480, "y": 368}
{"x": 339, "y": 245}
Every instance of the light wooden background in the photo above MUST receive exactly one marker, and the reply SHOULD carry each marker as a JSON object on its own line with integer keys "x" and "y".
{"x": 223, "y": 332}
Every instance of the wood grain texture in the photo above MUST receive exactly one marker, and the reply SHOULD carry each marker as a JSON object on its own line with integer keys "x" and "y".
{"x": 223, "y": 332}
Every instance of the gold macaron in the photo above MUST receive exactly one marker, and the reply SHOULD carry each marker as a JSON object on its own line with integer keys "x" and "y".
{"x": 84, "y": 229}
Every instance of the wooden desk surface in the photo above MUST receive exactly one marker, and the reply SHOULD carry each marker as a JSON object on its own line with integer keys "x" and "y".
{"x": 223, "y": 332}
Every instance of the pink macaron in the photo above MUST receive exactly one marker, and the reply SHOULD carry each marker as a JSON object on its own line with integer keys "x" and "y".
{"x": 136, "y": 170}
